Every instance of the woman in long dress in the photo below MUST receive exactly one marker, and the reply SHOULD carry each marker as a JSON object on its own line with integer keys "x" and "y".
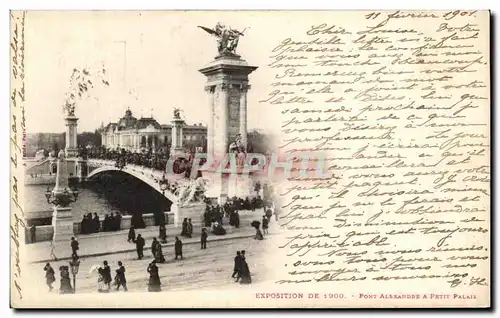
{"x": 245, "y": 272}
{"x": 154, "y": 284}
{"x": 258, "y": 234}
{"x": 163, "y": 233}
{"x": 159, "y": 258}
{"x": 50, "y": 276}
{"x": 102, "y": 286}
{"x": 184, "y": 227}
{"x": 65, "y": 281}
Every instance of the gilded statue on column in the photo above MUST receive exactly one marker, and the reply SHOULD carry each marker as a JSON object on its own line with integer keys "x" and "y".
{"x": 177, "y": 113}
{"x": 227, "y": 38}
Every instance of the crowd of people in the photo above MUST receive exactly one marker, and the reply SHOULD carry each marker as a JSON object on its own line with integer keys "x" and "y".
{"x": 214, "y": 216}
{"x": 147, "y": 158}
{"x": 214, "y": 213}
{"x": 104, "y": 278}
{"x": 90, "y": 224}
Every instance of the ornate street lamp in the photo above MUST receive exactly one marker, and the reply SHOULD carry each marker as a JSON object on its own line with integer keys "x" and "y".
{"x": 74, "y": 265}
{"x": 63, "y": 198}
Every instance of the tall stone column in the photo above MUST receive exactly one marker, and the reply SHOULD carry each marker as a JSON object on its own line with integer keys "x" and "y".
{"x": 221, "y": 111}
{"x": 228, "y": 74}
{"x": 62, "y": 217}
{"x": 243, "y": 113}
{"x": 177, "y": 136}
{"x": 210, "y": 129}
{"x": 71, "y": 136}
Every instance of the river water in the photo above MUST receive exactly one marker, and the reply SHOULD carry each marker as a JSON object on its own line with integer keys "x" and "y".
{"x": 109, "y": 193}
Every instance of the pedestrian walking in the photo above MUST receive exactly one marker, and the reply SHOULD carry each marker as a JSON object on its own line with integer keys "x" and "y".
{"x": 75, "y": 246}
{"x": 236, "y": 269}
{"x": 154, "y": 245}
{"x": 106, "y": 273}
{"x": 265, "y": 224}
{"x": 204, "y": 236}
{"x": 178, "y": 247}
{"x": 189, "y": 233}
{"x": 50, "y": 276}
{"x": 163, "y": 233}
{"x": 120, "y": 279}
{"x": 66, "y": 287}
{"x": 184, "y": 227}
{"x": 139, "y": 245}
{"x": 154, "y": 284}
{"x": 246, "y": 278}
{"x": 131, "y": 235}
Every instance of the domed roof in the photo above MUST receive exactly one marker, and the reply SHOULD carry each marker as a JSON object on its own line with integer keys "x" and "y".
{"x": 144, "y": 122}
{"x": 127, "y": 121}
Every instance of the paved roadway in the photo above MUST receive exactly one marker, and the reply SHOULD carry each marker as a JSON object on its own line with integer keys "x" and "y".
{"x": 200, "y": 269}
{"x": 113, "y": 242}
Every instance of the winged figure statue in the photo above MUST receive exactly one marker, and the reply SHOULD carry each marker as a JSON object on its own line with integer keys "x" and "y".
{"x": 177, "y": 113}
{"x": 227, "y": 38}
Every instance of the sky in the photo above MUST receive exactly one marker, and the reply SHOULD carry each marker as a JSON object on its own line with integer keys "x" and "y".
{"x": 152, "y": 60}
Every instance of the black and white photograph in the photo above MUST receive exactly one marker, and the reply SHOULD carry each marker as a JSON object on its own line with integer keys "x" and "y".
{"x": 250, "y": 159}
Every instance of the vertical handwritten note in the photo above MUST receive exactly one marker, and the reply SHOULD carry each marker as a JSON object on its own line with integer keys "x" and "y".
{"x": 17, "y": 150}
{"x": 397, "y": 104}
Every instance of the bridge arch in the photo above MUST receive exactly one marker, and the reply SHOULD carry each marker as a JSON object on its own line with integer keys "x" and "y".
{"x": 153, "y": 183}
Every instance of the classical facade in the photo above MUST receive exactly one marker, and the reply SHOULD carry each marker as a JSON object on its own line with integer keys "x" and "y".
{"x": 146, "y": 133}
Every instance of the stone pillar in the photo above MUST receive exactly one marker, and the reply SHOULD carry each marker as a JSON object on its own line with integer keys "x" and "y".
{"x": 193, "y": 211}
{"x": 221, "y": 111}
{"x": 243, "y": 113}
{"x": 62, "y": 217}
{"x": 177, "y": 136}
{"x": 228, "y": 74}
{"x": 210, "y": 129}
{"x": 71, "y": 136}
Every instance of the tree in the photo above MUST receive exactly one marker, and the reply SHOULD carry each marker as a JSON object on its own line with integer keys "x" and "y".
{"x": 89, "y": 138}
{"x": 258, "y": 142}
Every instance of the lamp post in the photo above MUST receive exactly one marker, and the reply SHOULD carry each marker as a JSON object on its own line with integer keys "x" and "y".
{"x": 74, "y": 265}
{"x": 63, "y": 198}
{"x": 60, "y": 197}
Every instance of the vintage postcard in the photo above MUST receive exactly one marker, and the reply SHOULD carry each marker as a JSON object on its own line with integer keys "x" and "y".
{"x": 250, "y": 159}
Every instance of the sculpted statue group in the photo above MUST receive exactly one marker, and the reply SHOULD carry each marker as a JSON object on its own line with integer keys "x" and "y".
{"x": 237, "y": 145}
{"x": 192, "y": 190}
{"x": 227, "y": 38}
{"x": 177, "y": 113}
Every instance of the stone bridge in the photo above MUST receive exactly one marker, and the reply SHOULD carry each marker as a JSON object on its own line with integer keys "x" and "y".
{"x": 182, "y": 198}
{"x": 82, "y": 169}
{"x": 149, "y": 176}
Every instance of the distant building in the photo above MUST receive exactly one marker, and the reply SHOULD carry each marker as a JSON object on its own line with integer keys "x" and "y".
{"x": 146, "y": 133}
